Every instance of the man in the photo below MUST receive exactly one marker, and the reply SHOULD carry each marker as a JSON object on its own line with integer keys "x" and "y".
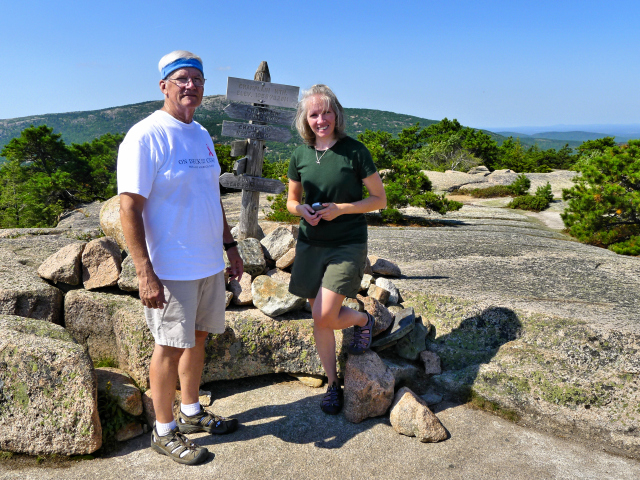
{"x": 175, "y": 228}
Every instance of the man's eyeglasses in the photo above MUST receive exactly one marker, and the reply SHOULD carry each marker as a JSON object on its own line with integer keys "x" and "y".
{"x": 184, "y": 81}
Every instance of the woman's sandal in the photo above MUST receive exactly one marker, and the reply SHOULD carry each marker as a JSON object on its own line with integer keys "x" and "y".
{"x": 333, "y": 400}
{"x": 362, "y": 337}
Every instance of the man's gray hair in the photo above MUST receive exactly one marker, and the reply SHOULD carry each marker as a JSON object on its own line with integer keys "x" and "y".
{"x": 176, "y": 55}
{"x": 329, "y": 99}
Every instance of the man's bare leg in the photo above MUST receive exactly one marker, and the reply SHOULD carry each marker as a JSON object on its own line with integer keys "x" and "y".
{"x": 163, "y": 377}
{"x": 190, "y": 369}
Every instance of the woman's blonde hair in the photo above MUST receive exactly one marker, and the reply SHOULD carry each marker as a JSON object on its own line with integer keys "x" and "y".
{"x": 330, "y": 100}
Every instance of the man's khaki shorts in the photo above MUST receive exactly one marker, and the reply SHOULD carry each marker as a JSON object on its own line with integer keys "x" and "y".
{"x": 192, "y": 305}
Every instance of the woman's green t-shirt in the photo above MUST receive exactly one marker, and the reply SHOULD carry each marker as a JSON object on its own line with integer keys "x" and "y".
{"x": 338, "y": 179}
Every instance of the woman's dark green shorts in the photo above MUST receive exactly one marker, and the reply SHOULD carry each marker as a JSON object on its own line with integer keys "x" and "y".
{"x": 339, "y": 269}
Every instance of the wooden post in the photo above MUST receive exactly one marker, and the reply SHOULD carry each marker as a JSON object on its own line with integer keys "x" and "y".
{"x": 248, "y": 223}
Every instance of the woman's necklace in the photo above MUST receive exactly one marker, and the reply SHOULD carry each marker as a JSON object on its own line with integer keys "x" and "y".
{"x": 327, "y": 149}
{"x": 320, "y": 158}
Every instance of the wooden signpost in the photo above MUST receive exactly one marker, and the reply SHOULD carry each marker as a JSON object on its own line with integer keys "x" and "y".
{"x": 255, "y": 132}
{"x": 254, "y": 184}
{"x": 260, "y": 114}
{"x": 248, "y": 171}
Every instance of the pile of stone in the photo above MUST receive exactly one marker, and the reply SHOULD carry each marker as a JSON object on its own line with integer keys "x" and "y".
{"x": 102, "y": 322}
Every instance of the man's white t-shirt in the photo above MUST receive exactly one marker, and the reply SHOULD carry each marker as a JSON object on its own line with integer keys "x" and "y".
{"x": 174, "y": 166}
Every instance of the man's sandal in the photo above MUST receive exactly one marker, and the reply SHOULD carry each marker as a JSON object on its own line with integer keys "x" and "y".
{"x": 205, "y": 421}
{"x": 178, "y": 447}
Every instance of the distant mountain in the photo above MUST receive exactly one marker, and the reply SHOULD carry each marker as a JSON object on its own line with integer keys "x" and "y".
{"x": 80, "y": 127}
{"x": 544, "y": 143}
{"x": 621, "y": 132}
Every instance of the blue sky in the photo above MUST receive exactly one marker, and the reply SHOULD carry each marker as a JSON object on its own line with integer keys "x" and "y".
{"x": 486, "y": 63}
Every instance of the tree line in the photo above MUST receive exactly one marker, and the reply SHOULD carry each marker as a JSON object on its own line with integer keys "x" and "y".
{"x": 43, "y": 177}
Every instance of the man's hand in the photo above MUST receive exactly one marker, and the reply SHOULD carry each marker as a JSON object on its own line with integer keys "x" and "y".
{"x": 151, "y": 291}
{"x": 236, "y": 268}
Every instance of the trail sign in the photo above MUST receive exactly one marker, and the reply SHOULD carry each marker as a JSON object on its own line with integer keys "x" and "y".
{"x": 252, "y": 184}
{"x": 255, "y": 132}
{"x": 260, "y": 114}
{"x": 262, "y": 93}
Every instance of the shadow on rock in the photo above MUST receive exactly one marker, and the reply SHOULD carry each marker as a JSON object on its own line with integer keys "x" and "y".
{"x": 463, "y": 346}
{"x": 300, "y": 421}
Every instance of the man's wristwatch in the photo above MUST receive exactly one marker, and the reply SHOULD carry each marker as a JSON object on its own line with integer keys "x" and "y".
{"x": 229, "y": 245}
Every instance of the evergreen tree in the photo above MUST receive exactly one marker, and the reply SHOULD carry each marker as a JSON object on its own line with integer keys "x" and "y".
{"x": 604, "y": 205}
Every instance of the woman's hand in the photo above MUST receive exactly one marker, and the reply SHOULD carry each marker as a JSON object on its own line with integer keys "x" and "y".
{"x": 309, "y": 214}
{"x": 330, "y": 211}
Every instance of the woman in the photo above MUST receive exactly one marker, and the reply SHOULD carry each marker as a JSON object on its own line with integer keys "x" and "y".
{"x": 332, "y": 243}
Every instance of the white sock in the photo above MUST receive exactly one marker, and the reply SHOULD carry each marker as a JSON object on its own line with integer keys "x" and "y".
{"x": 164, "y": 428}
{"x": 191, "y": 409}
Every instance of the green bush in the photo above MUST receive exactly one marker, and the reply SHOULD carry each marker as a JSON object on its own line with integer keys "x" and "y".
{"x": 391, "y": 215}
{"x": 545, "y": 192}
{"x": 538, "y": 202}
{"x": 489, "y": 192}
{"x": 278, "y": 209}
{"x": 521, "y": 185}
{"x": 627, "y": 247}
{"x": 604, "y": 205}
{"x": 529, "y": 202}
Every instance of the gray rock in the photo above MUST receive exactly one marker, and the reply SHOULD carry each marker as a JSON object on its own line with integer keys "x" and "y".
{"x": 353, "y": 304}
{"x": 403, "y": 323}
{"x": 287, "y": 259}
{"x": 432, "y": 398}
{"x": 410, "y": 346}
{"x": 134, "y": 342}
{"x": 379, "y": 293}
{"x": 411, "y": 416}
{"x": 367, "y": 267}
{"x": 48, "y": 399}
{"x": 88, "y": 318}
{"x": 273, "y": 298}
{"x": 110, "y": 221}
{"x": 383, "y": 319}
{"x": 279, "y": 275}
{"x": 381, "y": 266}
{"x": 431, "y": 363}
{"x": 241, "y": 290}
{"x": 479, "y": 170}
{"x": 129, "y": 431}
{"x": 405, "y": 373}
{"x": 368, "y": 387}
{"x": 82, "y": 217}
{"x": 394, "y": 293}
{"x": 250, "y": 250}
{"x": 254, "y": 344}
{"x": 228, "y": 298}
{"x": 366, "y": 282}
{"x": 24, "y": 293}
{"x": 112, "y": 327}
{"x": 101, "y": 263}
{"x": 313, "y": 381}
{"x": 128, "y": 279}
{"x": 277, "y": 243}
{"x": 31, "y": 249}
{"x": 64, "y": 266}
{"x": 119, "y": 385}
